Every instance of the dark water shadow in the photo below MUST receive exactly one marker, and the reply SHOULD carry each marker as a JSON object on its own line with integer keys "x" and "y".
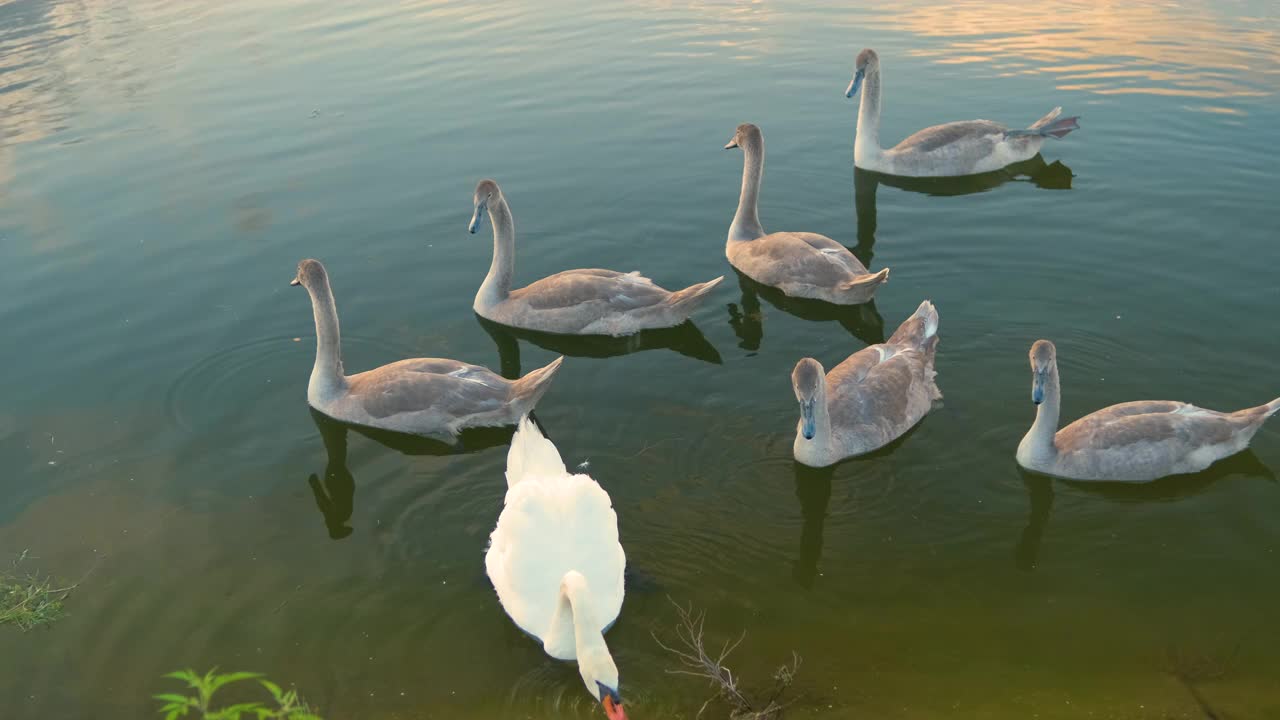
{"x": 685, "y": 339}
{"x": 1026, "y": 554}
{"x": 747, "y": 321}
{"x": 1040, "y": 495}
{"x": 1048, "y": 176}
{"x": 813, "y": 490}
{"x": 335, "y": 494}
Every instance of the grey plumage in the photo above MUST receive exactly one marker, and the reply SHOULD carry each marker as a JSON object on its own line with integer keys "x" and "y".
{"x": 800, "y": 264}
{"x": 432, "y": 397}
{"x": 870, "y": 399}
{"x": 588, "y": 301}
{"x": 958, "y": 148}
{"x": 1132, "y": 442}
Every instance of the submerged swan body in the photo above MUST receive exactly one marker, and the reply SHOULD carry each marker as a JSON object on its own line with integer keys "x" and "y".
{"x": 958, "y": 148}
{"x": 574, "y": 302}
{"x": 556, "y": 562}
{"x": 433, "y": 397}
{"x": 800, "y": 264}
{"x": 1130, "y": 442}
{"x": 870, "y": 399}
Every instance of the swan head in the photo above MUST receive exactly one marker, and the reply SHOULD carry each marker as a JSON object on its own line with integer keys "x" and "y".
{"x": 808, "y": 379}
{"x": 311, "y": 274}
{"x": 1044, "y": 363}
{"x": 746, "y": 136}
{"x": 866, "y": 62}
{"x": 600, "y": 675}
{"x": 486, "y": 192}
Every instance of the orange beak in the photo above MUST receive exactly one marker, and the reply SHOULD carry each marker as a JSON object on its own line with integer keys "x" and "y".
{"x": 612, "y": 711}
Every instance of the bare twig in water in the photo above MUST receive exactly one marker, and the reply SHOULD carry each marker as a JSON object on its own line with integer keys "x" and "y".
{"x": 1192, "y": 668}
{"x": 690, "y": 650}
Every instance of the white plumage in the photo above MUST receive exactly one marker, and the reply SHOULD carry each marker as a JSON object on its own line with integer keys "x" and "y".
{"x": 556, "y": 562}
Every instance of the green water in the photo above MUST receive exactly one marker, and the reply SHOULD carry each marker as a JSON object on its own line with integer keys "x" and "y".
{"x": 164, "y": 165}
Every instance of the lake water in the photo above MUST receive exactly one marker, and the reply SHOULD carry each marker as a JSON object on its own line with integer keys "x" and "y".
{"x": 164, "y": 166}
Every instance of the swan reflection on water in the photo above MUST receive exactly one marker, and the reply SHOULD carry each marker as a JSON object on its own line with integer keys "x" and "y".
{"x": 813, "y": 490}
{"x": 335, "y": 494}
{"x": 1040, "y": 495}
{"x": 861, "y": 321}
{"x": 685, "y": 339}
{"x": 864, "y": 321}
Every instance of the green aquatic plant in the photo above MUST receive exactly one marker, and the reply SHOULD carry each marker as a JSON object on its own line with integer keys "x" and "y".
{"x": 288, "y": 706}
{"x": 30, "y": 601}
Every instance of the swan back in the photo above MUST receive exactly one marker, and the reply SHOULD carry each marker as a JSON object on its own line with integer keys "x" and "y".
{"x": 553, "y": 523}
{"x": 874, "y": 396}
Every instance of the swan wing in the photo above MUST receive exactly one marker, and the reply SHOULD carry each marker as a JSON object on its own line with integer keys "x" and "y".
{"x": 445, "y": 386}
{"x": 876, "y": 386}
{"x": 832, "y": 252}
{"x": 789, "y": 257}
{"x": 964, "y": 133}
{"x": 1173, "y": 426}
{"x": 617, "y": 291}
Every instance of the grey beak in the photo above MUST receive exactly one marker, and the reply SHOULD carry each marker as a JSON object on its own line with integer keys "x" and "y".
{"x": 854, "y": 84}
{"x": 731, "y": 145}
{"x": 294, "y": 282}
{"x": 474, "y": 225}
{"x": 808, "y": 422}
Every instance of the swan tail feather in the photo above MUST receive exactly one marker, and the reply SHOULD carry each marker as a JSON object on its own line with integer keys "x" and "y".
{"x": 919, "y": 331}
{"x": 929, "y": 314}
{"x": 1048, "y": 118}
{"x": 531, "y": 454}
{"x": 685, "y": 301}
{"x": 1271, "y": 408}
{"x": 526, "y": 391}
{"x": 868, "y": 280}
{"x": 1049, "y": 126}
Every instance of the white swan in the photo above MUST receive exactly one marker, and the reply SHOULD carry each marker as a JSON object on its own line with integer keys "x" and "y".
{"x": 555, "y": 560}
{"x": 959, "y": 148}
{"x": 870, "y": 399}
{"x": 1133, "y": 441}
{"x": 800, "y": 264}
{"x": 432, "y": 397}
{"x": 573, "y": 302}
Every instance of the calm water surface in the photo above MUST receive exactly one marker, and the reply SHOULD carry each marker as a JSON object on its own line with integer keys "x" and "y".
{"x": 163, "y": 167}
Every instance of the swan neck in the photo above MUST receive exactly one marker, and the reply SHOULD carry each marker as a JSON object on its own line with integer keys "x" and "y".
{"x": 575, "y": 614}
{"x": 1045, "y": 427}
{"x": 822, "y": 417}
{"x": 497, "y": 284}
{"x": 746, "y": 221}
{"x": 326, "y": 374}
{"x": 867, "y": 142}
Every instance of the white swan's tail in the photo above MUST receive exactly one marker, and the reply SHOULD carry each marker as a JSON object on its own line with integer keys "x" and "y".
{"x": 532, "y": 454}
{"x": 1049, "y": 126}
{"x": 526, "y": 391}
{"x": 685, "y": 301}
